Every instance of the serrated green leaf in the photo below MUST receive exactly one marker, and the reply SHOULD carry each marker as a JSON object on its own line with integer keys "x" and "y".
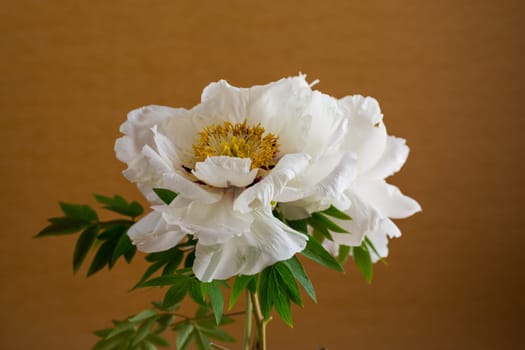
{"x": 216, "y": 300}
{"x": 62, "y": 226}
{"x": 184, "y": 335}
{"x": 363, "y": 261}
{"x": 143, "y": 331}
{"x": 84, "y": 243}
{"x": 103, "y": 257}
{"x": 316, "y": 252}
{"x": 286, "y": 282}
{"x": 79, "y": 211}
{"x": 123, "y": 246}
{"x": 175, "y": 294}
{"x": 167, "y": 196}
{"x": 143, "y": 315}
{"x": 329, "y": 224}
{"x": 298, "y": 225}
{"x": 300, "y": 275}
{"x": 158, "y": 340}
{"x": 119, "y": 205}
{"x": 241, "y": 282}
{"x": 336, "y": 213}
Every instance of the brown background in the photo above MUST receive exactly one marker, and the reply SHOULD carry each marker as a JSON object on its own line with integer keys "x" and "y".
{"x": 449, "y": 76}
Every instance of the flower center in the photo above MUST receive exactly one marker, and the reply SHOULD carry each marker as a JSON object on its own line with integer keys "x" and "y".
{"x": 237, "y": 140}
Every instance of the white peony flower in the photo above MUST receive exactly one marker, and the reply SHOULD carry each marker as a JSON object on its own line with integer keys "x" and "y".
{"x": 367, "y": 198}
{"x": 233, "y": 155}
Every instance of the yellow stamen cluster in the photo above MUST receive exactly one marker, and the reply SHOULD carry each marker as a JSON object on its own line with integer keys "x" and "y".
{"x": 237, "y": 140}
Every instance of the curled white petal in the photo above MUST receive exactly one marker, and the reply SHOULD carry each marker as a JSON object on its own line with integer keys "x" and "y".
{"x": 153, "y": 234}
{"x": 386, "y": 198}
{"x": 393, "y": 158}
{"x": 268, "y": 242}
{"x": 269, "y": 188}
{"x": 225, "y": 171}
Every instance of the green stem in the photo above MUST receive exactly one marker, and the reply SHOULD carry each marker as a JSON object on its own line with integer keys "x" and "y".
{"x": 218, "y": 347}
{"x": 248, "y": 325}
{"x": 260, "y": 339}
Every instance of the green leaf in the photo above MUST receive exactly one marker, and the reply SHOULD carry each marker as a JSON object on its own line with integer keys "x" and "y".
{"x": 84, "y": 243}
{"x": 216, "y": 300}
{"x": 143, "y": 331}
{"x": 300, "y": 275}
{"x": 286, "y": 282}
{"x": 217, "y": 333}
{"x": 103, "y": 257}
{"x": 123, "y": 246}
{"x": 241, "y": 282}
{"x": 146, "y": 345}
{"x": 201, "y": 340}
{"x": 165, "y": 281}
{"x": 120, "y": 328}
{"x": 184, "y": 336}
{"x": 319, "y": 228}
{"x": 316, "y": 252}
{"x": 164, "y": 321}
{"x": 368, "y": 243}
{"x": 119, "y": 205}
{"x": 190, "y": 258}
{"x": 197, "y": 290}
{"x": 175, "y": 294}
{"x": 102, "y": 333}
{"x": 62, "y": 226}
{"x": 113, "y": 232}
{"x": 329, "y": 224}
{"x": 78, "y": 211}
{"x": 150, "y": 271}
{"x": 167, "y": 196}
{"x": 363, "y": 261}
{"x": 343, "y": 253}
{"x": 143, "y": 315}
{"x": 266, "y": 291}
{"x": 336, "y": 213}
{"x": 298, "y": 225}
{"x": 282, "y": 305}
{"x": 158, "y": 340}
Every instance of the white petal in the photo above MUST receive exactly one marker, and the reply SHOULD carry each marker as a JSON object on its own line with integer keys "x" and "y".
{"x": 222, "y": 101}
{"x": 393, "y": 158}
{"x": 225, "y": 171}
{"x": 268, "y": 242}
{"x": 379, "y": 238}
{"x": 153, "y": 234}
{"x": 386, "y": 198}
{"x": 365, "y": 219}
{"x": 211, "y": 223}
{"x": 269, "y": 189}
{"x": 189, "y": 189}
{"x": 340, "y": 179}
{"x": 366, "y": 136}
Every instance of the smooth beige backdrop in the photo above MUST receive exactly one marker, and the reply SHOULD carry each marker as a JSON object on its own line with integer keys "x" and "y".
{"x": 449, "y": 76}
